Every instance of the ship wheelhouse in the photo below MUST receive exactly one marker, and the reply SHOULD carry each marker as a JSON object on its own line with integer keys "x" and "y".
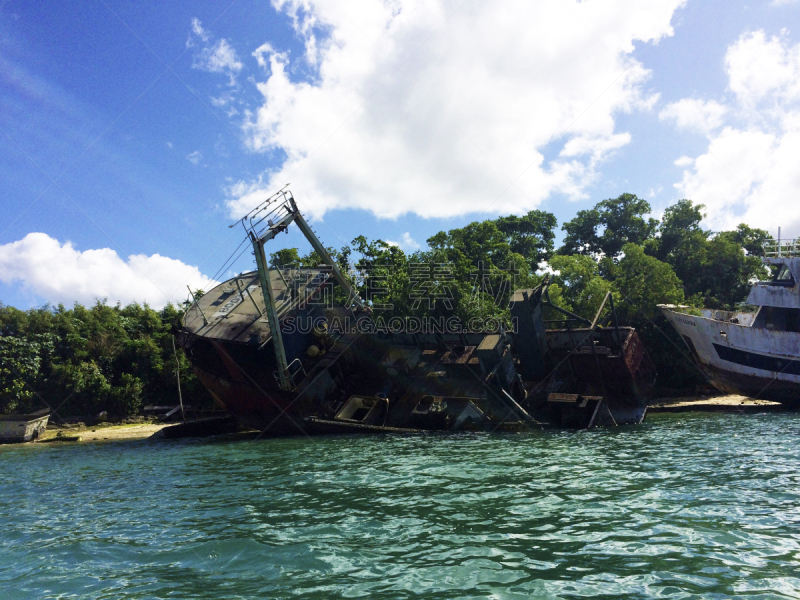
{"x": 778, "y": 299}
{"x": 754, "y": 353}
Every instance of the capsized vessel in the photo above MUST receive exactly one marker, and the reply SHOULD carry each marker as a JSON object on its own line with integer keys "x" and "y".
{"x": 275, "y": 352}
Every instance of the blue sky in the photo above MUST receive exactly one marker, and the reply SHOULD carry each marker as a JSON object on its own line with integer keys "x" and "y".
{"x": 133, "y": 133}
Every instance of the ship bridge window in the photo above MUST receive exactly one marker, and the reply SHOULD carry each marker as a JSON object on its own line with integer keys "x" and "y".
{"x": 784, "y": 277}
{"x": 781, "y": 319}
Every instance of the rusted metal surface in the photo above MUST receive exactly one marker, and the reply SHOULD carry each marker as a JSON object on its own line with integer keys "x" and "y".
{"x": 626, "y": 371}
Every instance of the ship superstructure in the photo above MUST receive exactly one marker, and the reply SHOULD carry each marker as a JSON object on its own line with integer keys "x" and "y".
{"x": 755, "y": 353}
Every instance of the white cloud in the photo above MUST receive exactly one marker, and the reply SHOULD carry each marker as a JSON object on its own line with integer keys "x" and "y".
{"x": 694, "y": 114}
{"x": 195, "y": 157}
{"x": 262, "y": 54}
{"x": 749, "y": 173}
{"x": 655, "y": 192}
{"x": 216, "y": 57}
{"x": 763, "y": 69}
{"x": 219, "y": 58}
{"x": 198, "y": 33}
{"x": 406, "y": 243}
{"x": 443, "y": 108}
{"x": 222, "y": 101}
{"x": 60, "y": 273}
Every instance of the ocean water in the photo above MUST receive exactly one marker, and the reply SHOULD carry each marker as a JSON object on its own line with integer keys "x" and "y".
{"x": 685, "y": 506}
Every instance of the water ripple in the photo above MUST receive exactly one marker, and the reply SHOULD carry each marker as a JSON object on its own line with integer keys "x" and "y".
{"x": 686, "y": 506}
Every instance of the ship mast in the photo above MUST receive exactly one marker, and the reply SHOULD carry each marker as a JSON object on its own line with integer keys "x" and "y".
{"x": 262, "y": 224}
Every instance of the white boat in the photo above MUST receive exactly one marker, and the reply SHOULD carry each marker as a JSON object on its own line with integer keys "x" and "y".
{"x": 16, "y": 428}
{"x": 754, "y": 353}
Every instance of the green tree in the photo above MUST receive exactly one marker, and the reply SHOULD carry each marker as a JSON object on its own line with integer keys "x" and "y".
{"x": 109, "y": 358}
{"x": 749, "y": 238}
{"x": 606, "y": 228}
{"x": 382, "y": 277}
{"x": 724, "y": 273}
{"x": 716, "y": 270}
{"x": 581, "y": 286}
{"x": 477, "y": 244}
{"x": 643, "y": 282}
{"x": 20, "y": 363}
{"x": 286, "y": 257}
{"x": 483, "y": 268}
{"x": 680, "y": 227}
{"x": 530, "y": 236}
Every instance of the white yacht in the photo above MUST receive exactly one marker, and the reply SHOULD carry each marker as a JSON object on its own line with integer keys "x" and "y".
{"x": 754, "y": 353}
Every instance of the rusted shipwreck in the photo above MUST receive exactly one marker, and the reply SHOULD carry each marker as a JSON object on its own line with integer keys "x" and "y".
{"x": 274, "y": 353}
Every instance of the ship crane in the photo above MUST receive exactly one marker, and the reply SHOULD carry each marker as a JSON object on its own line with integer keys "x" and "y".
{"x": 262, "y": 224}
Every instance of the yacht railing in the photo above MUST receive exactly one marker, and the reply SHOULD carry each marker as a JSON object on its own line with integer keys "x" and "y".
{"x": 782, "y": 248}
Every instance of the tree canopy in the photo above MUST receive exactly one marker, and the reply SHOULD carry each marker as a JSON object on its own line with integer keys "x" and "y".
{"x": 101, "y": 358}
{"x": 605, "y": 229}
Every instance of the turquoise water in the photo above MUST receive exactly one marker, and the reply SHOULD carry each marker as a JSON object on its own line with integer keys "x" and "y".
{"x": 685, "y": 506}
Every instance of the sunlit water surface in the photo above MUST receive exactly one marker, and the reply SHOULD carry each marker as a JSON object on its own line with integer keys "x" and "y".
{"x": 685, "y": 506}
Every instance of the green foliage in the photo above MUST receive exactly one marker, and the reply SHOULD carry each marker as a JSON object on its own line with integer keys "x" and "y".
{"x": 290, "y": 257}
{"x": 752, "y": 240}
{"x": 580, "y": 283}
{"x": 284, "y": 258}
{"x": 680, "y": 226}
{"x": 20, "y": 363}
{"x": 643, "y": 282}
{"x": 383, "y": 277}
{"x": 479, "y": 244}
{"x": 716, "y": 270}
{"x": 605, "y": 229}
{"x": 530, "y": 236}
{"x": 724, "y": 273}
{"x": 102, "y": 358}
{"x": 126, "y": 397}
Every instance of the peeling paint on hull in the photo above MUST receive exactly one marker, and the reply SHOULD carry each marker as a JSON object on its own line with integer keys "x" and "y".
{"x": 729, "y": 354}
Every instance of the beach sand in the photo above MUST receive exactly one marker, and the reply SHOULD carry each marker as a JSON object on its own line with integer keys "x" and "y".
{"x": 731, "y": 403}
{"x": 104, "y": 432}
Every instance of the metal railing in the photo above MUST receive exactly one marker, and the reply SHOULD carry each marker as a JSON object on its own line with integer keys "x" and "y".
{"x": 294, "y": 369}
{"x": 782, "y": 248}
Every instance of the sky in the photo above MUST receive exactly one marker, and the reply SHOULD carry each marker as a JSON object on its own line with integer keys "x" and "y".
{"x": 134, "y": 133}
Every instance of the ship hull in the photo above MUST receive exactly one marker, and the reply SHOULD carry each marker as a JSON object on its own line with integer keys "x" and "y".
{"x": 268, "y": 411}
{"x": 737, "y": 358}
{"x": 239, "y": 379}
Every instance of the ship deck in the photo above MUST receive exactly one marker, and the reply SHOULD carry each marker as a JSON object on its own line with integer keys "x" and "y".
{"x": 234, "y": 310}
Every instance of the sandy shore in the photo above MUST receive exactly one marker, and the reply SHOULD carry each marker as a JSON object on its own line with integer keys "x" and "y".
{"x": 101, "y": 433}
{"x": 732, "y": 403}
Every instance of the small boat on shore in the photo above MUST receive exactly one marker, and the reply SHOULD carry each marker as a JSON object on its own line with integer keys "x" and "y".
{"x": 276, "y": 353}
{"x": 754, "y": 353}
{"x": 17, "y": 428}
